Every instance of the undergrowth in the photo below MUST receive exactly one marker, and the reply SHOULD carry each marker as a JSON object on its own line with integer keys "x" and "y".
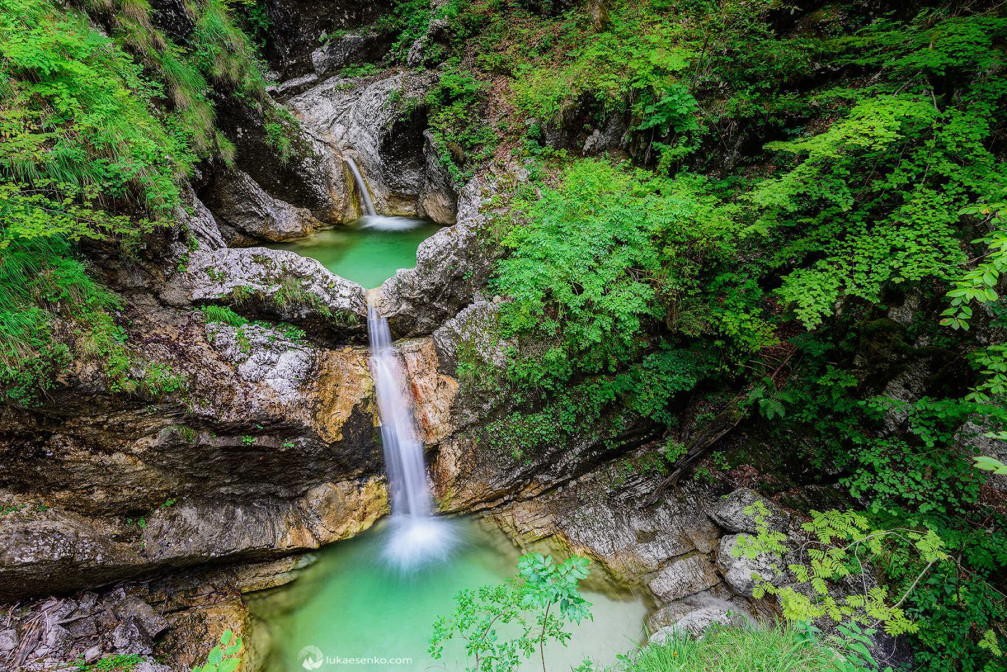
{"x": 98, "y": 130}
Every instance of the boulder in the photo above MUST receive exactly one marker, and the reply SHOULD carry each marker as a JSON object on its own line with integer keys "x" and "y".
{"x": 346, "y": 49}
{"x": 697, "y": 621}
{"x": 684, "y": 577}
{"x": 739, "y": 571}
{"x": 297, "y": 27}
{"x": 275, "y": 284}
{"x": 198, "y": 221}
{"x": 730, "y": 512}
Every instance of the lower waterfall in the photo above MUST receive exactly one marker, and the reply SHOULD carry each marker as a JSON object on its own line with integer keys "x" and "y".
{"x": 417, "y": 537}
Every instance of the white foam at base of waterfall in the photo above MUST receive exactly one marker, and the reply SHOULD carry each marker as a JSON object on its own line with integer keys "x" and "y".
{"x": 416, "y": 537}
{"x": 415, "y": 542}
{"x": 382, "y": 223}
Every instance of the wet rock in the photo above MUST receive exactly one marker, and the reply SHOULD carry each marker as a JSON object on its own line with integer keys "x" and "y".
{"x": 249, "y": 214}
{"x": 363, "y": 119}
{"x": 730, "y": 513}
{"x": 681, "y": 578}
{"x": 452, "y": 266}
{"x": 433, "y": 393}
{"x": 742, "y": 573}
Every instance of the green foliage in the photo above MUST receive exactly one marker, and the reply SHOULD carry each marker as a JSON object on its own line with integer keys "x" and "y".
{"x": 877, "y": 197}
{"x": 604, "y": 261}
{"x": 734, "y": 649}
{"x": 96, "y": 134}
{"x": 223, "y": 315}
{"x": 118, "y": 662}
{"x": 838, "y": 545}
{"x": 504, "y": 625}
{"x": 991, "y": 464}
{"x": 225, "y": 656}
{"x": 457, "y": 122}
{"x": 76, "y": 113}
{"x": 409, "y": 20}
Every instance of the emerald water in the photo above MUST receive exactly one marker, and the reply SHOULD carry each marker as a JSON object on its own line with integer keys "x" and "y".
{"x": 350, "y": 605}
{"x": 368, "y": 251}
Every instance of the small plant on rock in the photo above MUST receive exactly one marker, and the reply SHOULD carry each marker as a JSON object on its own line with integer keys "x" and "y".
{"x": 225, "y": 656}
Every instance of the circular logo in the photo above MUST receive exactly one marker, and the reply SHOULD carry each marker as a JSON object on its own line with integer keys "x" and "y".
{"x": 310, "y": 657}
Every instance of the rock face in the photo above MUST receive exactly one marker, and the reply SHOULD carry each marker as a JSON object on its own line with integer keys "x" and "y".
{"x": 742, "y": 573}
{"x": 342, "y": 50}
{"x": 452, "y": 266}
{"x": 364, "y": 120}
{"x": 298, "y": 26}
{"x": 267, "y": 446}
{"x": 304, "y": 175}
{"x": 685, "y": 577}
{"x": 248, "y": 214}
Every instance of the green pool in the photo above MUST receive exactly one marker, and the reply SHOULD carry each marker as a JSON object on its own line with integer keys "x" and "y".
{"x": 348, "y": 605}
{"x": 368, "y": 251}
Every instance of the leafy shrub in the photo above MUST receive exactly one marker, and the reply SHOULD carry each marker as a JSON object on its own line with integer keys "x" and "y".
{"x": 507, "y": 624}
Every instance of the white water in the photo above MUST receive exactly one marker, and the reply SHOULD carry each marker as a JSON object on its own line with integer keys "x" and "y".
{"x": 417, "y": 537}
{"x": 365, "y": 196}
{"x": 383, "y": 223}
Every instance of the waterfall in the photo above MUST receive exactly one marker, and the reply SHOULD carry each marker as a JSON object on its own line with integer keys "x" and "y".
{"x": 365, "y": 196}
{"x": 417, "y": 536}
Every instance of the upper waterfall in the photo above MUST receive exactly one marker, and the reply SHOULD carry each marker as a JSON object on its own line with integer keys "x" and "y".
{"x": 365, "y": 196}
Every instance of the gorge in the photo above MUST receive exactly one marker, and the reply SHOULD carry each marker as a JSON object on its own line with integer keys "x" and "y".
{"x": 350, "y": 329}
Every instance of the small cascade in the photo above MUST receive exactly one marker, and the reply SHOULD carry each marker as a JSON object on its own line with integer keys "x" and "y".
{"x": 417, "y": 537}
{"x": 365, "y": 196}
